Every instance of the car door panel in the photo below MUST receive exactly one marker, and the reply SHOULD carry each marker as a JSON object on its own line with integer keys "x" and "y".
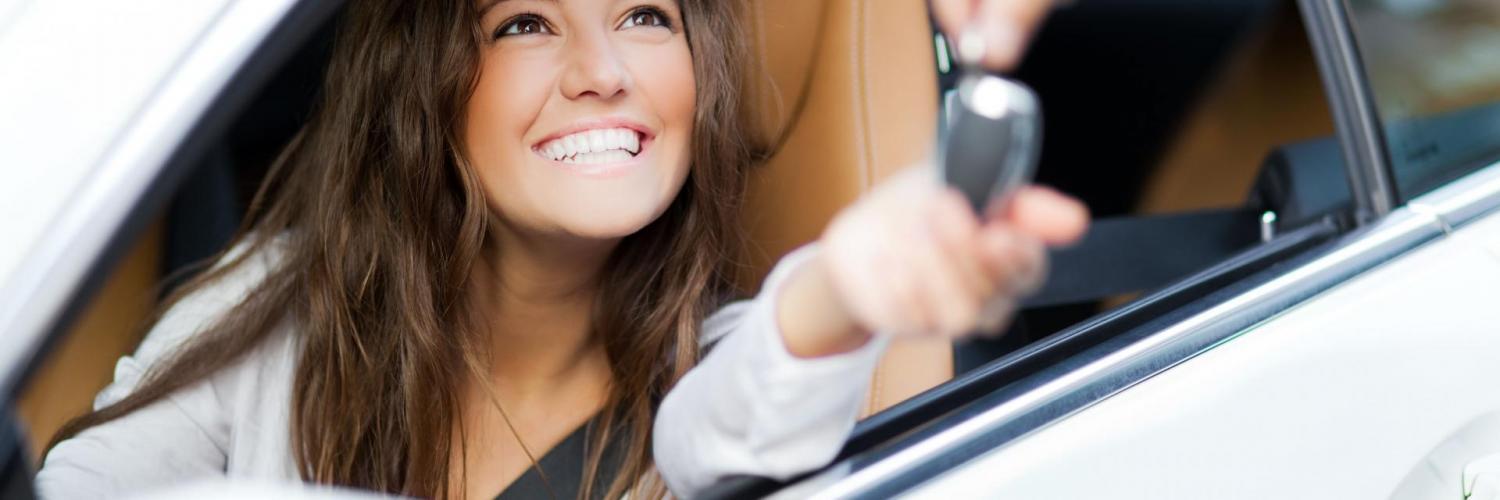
{"x": 1340, "y": 397}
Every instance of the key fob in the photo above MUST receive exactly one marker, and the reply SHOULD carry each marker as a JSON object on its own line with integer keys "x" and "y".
{"x": 994, "y": 139}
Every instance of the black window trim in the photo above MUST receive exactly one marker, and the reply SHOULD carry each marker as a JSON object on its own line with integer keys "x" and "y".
{"x": 1371, "y": 180}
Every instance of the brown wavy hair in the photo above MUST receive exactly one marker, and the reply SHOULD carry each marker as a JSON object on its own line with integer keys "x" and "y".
{"x": 379, "y": 220}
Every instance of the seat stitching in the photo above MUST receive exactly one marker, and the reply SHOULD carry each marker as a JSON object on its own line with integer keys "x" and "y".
{"x": 862, "y": 164}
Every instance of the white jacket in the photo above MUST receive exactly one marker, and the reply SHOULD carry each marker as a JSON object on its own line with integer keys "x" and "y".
{"x": 748, "y": 408}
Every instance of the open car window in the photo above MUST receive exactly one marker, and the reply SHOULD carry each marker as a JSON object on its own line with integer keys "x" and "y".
{"x": 1200, "y": 137}
{"x": 1189, "y": 148}
{"x": 1365, "y": 225}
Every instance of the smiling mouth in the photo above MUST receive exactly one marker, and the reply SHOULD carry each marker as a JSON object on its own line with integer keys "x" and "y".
{"x": 596, "y": 146}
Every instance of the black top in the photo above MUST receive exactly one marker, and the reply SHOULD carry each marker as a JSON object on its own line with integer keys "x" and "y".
{"x": 564, "y": 465}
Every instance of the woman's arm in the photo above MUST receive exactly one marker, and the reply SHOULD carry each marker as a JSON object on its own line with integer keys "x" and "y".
{"x": 780, "y": 392}
{"x": 184, "y": 436}
{"x": 179, "y": 438}
{"x": 748, "y": 408}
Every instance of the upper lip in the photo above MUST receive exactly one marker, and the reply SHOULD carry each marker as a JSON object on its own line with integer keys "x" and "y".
{"x": 597, "y": 124}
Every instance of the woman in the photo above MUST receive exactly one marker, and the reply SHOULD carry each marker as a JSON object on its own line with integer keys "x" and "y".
{"x": 502, "y": 229}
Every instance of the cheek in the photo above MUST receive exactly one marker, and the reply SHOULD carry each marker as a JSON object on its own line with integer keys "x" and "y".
{"x": 666, "y": 77}
{"x": 499, "y": 113}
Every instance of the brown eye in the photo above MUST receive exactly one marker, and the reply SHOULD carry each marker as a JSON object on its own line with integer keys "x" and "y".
{"x": 647, "y": 16}
{"x": 524, "y": 24}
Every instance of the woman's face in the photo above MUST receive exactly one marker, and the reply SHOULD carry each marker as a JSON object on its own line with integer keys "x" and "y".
{"x": 582, "y": 119}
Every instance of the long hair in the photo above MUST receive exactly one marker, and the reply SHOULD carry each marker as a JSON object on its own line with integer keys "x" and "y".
{"x": 378, "y": 220}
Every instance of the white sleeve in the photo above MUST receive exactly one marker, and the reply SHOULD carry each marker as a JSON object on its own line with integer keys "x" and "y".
{"x": 181, "y": 437}
{"x": 750, "y": 407}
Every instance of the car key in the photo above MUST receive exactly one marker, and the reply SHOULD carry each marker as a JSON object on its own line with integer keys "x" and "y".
{"x": 994, "y": 139}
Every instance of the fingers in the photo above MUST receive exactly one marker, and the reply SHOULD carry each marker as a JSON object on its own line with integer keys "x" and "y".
{"x": 1006, "y": 25}
{"x": 1054, "y": 218}
{"x": 911, "y": 258}
{"x": 1015, "y": 261}
{"x": 952, "y": 284}
{"x": 957, "y": 230}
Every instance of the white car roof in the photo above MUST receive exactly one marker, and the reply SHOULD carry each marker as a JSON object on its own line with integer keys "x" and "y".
{"x": 96, "y": 97}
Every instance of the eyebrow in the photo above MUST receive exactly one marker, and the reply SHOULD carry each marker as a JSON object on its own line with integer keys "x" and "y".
{"x": 490, "y": 4}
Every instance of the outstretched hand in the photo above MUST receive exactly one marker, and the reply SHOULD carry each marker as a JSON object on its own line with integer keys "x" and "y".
{"x": 911, "y": 258}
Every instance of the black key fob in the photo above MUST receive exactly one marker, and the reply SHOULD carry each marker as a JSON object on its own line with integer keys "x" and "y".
{"x": 994, "y": 139}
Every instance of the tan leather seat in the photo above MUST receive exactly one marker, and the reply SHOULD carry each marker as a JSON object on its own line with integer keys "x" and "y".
{"x": 83, "y": 361}
{"x": 851, "y": 88}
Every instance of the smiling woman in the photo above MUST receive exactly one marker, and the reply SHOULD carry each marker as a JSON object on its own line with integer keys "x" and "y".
{"x": 585, "y": 103}
{"x": 414, "y": 264}
{"x": 497, "y": 244}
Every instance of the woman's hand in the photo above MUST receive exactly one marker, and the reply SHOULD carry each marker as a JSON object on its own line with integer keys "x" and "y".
{"x": 912, "y": 259}
{"x": 1005, "y": 25}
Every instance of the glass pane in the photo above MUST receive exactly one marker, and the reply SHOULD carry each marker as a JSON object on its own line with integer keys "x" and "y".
{"x": 1434, "y": 71}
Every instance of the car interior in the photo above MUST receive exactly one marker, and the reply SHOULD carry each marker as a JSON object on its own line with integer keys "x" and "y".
{"x": 1180, "y": 123}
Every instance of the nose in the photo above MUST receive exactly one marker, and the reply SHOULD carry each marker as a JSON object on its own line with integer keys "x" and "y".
{"x": 593, "y": 69}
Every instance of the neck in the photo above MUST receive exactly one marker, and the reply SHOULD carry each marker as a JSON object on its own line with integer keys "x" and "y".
{"x": 537, "y": 296}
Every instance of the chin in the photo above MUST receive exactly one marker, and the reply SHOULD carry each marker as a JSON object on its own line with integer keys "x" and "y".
{"x": 610, "y": 219}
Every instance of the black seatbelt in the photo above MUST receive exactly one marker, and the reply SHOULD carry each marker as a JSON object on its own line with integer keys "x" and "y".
{"x": 1131, "y": 254}
{"x": 1300, "y": 183}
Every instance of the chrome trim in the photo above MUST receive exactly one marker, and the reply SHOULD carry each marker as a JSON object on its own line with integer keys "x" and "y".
{"x": 1463, "y": 201}
{"x": 1063, "y": 391}
{"x": 1360, "y": 137}
{"x": 1267, "y": 225}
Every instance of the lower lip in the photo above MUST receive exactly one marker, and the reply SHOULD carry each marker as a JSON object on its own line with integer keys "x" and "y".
{"x": 604, "y": 170}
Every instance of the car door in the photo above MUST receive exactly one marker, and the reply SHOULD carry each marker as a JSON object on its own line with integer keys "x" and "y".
{"x": 1359, "y": 362}
{"x": 1362, "y": 368}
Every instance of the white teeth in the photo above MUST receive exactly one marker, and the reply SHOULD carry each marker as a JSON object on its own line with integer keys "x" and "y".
{"x": 610, "y": 156}
{"x": 613, "y": 139}
{"x": 632, "y": 142}
{"x": 593, "y": 146}
{"x": 596, "y": 140}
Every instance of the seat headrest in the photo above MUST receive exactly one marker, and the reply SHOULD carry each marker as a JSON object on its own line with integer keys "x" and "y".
{"x": 847, "y": 92}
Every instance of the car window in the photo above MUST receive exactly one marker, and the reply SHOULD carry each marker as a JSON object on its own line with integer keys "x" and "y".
{"x": 1199, "y": 135}
{"x": 1193, "y": 132}
{"x": 1178, "y": 123}
{"x": 1433, "y": 68}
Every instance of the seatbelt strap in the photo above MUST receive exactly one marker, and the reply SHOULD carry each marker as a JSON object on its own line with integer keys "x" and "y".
{"x": 1123, "y": 255}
